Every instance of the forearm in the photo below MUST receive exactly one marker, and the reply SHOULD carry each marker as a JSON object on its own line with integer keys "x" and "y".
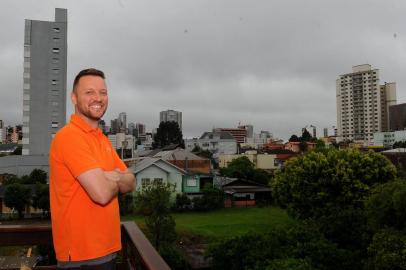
{"x": 126, "y": 182}
{"x": 99, "y": 187}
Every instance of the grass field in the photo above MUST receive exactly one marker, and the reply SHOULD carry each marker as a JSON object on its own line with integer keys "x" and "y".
{"x": 225, "y": 223}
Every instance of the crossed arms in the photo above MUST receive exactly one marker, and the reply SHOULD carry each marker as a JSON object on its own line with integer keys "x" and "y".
{"x": 103, "y": 186}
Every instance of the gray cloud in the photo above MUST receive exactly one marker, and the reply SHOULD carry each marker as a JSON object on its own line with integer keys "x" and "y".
{"x": 272, "y": 64}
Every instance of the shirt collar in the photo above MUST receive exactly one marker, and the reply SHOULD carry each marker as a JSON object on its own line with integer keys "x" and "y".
{"x": 80, "y": 123}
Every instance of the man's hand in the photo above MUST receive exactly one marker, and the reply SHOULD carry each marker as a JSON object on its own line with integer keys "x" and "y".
{"x": 125, "y": 179}
{"x": 113, "y": 175}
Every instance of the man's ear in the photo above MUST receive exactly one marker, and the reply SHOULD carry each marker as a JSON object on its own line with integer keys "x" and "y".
{"x": 74, "y": 98}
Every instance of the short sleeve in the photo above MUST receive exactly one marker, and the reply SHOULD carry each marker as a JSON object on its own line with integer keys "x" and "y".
{"x": 118, "y": 163}
{"x": 77, "y": 154}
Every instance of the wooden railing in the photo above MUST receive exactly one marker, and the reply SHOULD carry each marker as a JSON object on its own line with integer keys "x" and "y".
{"x": 137, "y": 252}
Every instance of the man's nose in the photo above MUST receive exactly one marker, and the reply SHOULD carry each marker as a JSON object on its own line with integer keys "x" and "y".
{"x": 98, "y": 96}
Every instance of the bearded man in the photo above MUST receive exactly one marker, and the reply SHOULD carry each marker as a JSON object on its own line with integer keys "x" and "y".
{"x": 86, "y": 175}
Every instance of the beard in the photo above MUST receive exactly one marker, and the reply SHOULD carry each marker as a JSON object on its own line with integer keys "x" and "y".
{"x": 92, "y": 115}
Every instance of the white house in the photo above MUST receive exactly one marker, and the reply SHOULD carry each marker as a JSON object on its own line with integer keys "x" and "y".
{"x": 150, "y": 170}
{"x": 220, "y": 142}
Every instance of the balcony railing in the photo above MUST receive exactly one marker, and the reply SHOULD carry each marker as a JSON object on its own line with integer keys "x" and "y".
{"x": 137, "y": 252}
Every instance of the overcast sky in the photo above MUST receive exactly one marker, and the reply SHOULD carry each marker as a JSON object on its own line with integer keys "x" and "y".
{"x": 272, "y": 64}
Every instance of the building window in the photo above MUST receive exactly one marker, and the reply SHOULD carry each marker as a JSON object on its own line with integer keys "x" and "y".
{"x": 191, "y": 183}
{"x": 145, "y": 182}
{"x": 54, "y": 124}
{"x": 57, "y": 29}
{"x": 55, "y": 50}
{"x": 54, "y": 82}
{"x": 55, "y": 104}
{"x": 55, "y": 60}
{"x": 158, "y": 181}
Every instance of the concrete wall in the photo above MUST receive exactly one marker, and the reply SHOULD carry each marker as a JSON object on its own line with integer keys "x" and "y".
{"x": 23, "y": 165}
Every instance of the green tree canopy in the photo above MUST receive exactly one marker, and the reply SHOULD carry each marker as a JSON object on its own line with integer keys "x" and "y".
{"x": 40, "y": 200}
{"x": 38, "y": 176}
{"x": 306, "y": 136}
{"x": 387, "y": 206}
{"x": 17, "y": 196}
{"x": 331, "y": 187}
{"x": 300, "y": 246}
{"x": 399, "y": 144}
{"x": 243, "y": 168}
{"x": 168, "y": 133}
{"x": 294, "y": 138}
{"x": 387, "y": 250}
{"x": 154, "y": 203}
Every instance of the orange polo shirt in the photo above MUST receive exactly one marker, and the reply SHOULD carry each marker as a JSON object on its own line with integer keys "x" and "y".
{"x": 81, "y": 228}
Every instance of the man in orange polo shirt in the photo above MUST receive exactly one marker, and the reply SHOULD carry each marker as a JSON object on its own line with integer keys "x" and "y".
{"x": 86, "y": 175}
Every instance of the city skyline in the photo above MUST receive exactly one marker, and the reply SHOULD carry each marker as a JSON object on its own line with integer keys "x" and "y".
{"x": 272, "y": 64}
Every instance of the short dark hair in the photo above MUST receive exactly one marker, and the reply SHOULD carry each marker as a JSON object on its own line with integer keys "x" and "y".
{"x": 87, "y": 72}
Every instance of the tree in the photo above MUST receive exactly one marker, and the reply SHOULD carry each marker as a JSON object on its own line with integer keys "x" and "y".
{"x": 243, "y": 168}
{"x": 387, "y": 250}
{"x": 154, "y": 203}
{"x": 386, "y": 211}
{"x": 17, "y": 196}
{"x": 300, "y": 246}
{"x": 182, "y": 202}
{"x": 213, "y": 198}
{"x": 386, "y": 207}
{"x": 168, "y": 133}
{"x": 320, "y": 145}
{"x": 240, "y": 167}
{"x": 330, "y": 187}
{"x": 399, "y": 144}
{"x": 294, "y": 138}
{"x": 40, "y": 199}
{"x": 38, "y": 176}
{"x": 306, "y": 136}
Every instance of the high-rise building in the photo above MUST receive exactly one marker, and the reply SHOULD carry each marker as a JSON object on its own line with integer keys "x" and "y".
{"x": 362, "y": 104}
{"x": 240, "y": 134}
{"x": 114, "y": 126}
{"x": 2, "y": 132}
{"x": 131, "y": 129}
{"x": 249, "y": 129}
{"x": 397, "y": 117}
{"x": 171, "y": 115}
{"x": 141, "y": 132}
{"x": 44, "y": 88}
{"x": 122, "y": 122}
{"x": 325, "y": 132}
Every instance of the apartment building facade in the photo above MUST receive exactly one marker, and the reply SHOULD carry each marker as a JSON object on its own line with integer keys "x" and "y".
{"x": 44, "y": 88}
{"x": 363, "y": 104}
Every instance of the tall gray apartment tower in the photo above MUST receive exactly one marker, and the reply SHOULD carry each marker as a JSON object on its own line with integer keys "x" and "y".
{"x": 363, "y": 104}
{"x": 171, "y": 115}
{"x": 44, "y": 91}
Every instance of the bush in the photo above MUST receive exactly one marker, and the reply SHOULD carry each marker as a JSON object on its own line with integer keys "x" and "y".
{"x": 302, "y": 246}
{"x": 182, "y": 203}
{"x": 387, "y": 250}
{"x": 213, "y": 198}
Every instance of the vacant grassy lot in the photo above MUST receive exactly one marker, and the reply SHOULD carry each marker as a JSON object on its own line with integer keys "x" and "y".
{"x": 226, "y": 223}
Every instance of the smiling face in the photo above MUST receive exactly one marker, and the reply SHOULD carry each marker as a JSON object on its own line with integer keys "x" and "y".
{"x": 90, "y": 99}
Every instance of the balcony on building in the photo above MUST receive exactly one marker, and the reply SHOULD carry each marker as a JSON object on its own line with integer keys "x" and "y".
{"x": 137, "y": 252}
